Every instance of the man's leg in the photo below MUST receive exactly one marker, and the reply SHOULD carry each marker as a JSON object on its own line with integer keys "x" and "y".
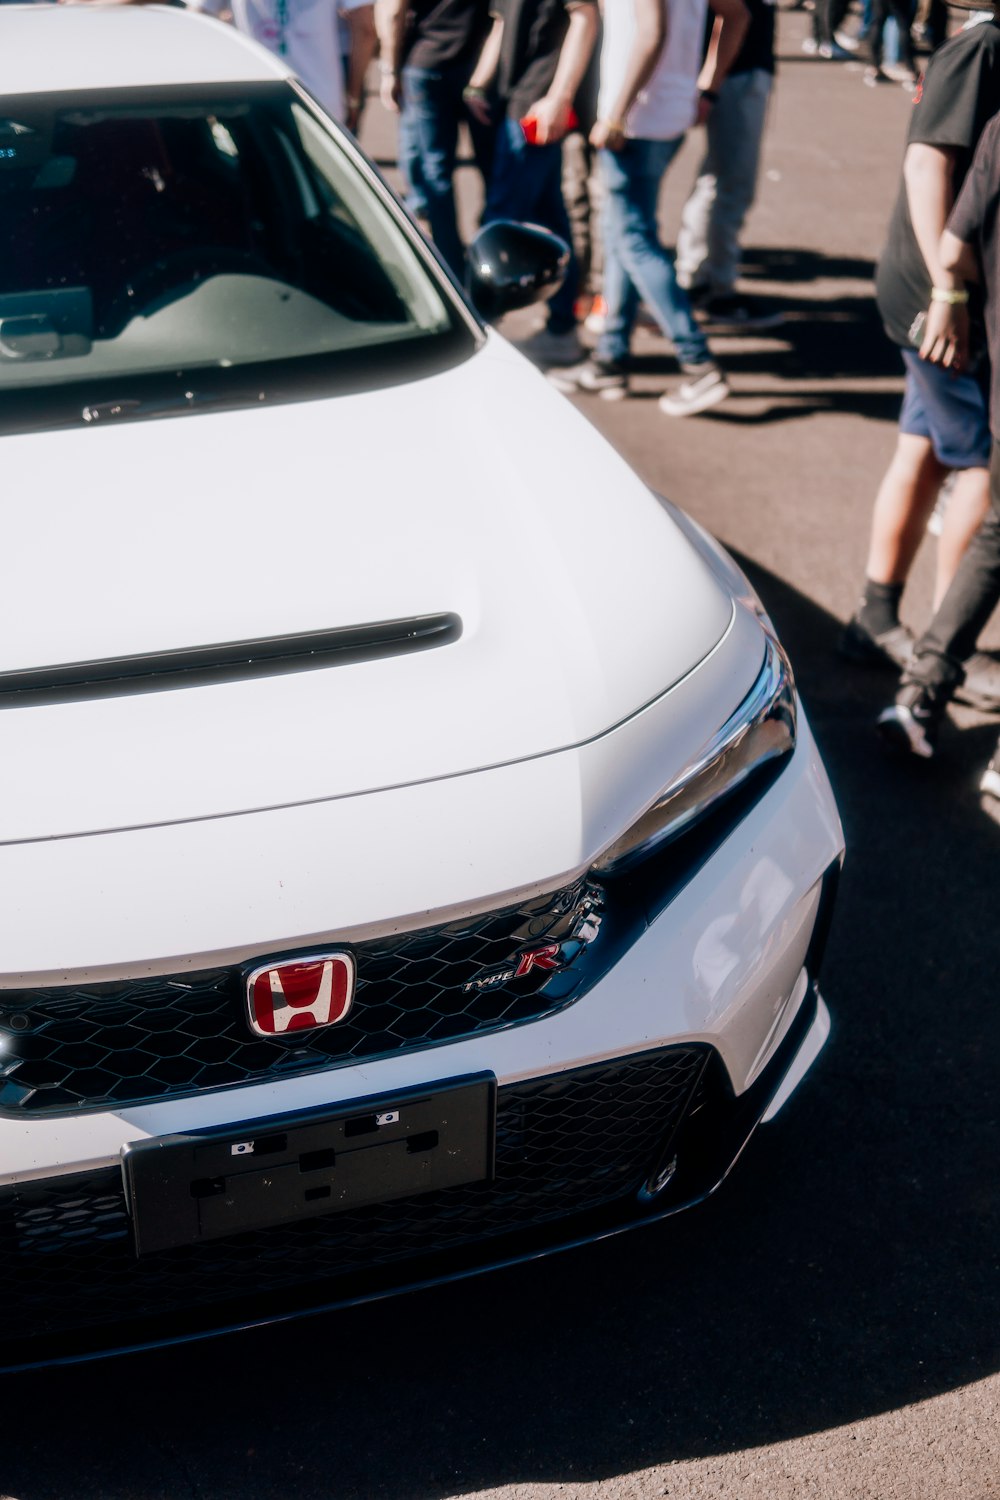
{"x": 938, "y": 664}
{"x": 634, "y": 177}
{"x": 526, "y": 186}
{"x": 943, "y": 427}
{"x": 432, "y": 111}
{"x": 952, "y": 634}
{"x": 620, "y": 294}
{"x": 968, "y": 505}
{"x": 708, "y": 242}
{"x": 903, "y": 506}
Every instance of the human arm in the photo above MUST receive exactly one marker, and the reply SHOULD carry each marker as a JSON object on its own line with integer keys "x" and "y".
{"x": 551, "y": 113}
{"x": 928, "y": 176}
{"x": 476, "y": 91}
{"x": 390, "y": 27}
{"x": 958, "y": 256}
{"x": 728, "y": 30}
{"x": 648, "y": 42}
{"x": 360, "y": 21}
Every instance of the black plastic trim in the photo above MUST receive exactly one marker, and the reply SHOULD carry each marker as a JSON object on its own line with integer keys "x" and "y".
{"x": 233, "y": 661}
{"x": 730, "y": 1122}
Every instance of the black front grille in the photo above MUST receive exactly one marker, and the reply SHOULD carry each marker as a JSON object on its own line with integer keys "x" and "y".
{"x": 143, "y": 1039}
{"x": 565, "y": 1144}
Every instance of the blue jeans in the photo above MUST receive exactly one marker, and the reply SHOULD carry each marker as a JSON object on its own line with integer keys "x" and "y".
{"x": 431, "y": 112}
{"x": 526, "y": 186}
{"x": 636, "y": 265}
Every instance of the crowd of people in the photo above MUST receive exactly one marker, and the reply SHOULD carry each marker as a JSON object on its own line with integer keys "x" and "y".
{"x": 569, "y": 107}
{"x": 572, "y": 107}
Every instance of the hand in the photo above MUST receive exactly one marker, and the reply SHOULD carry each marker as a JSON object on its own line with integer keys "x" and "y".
{"x": 705, "y": 103}
{"x": 391, "y": 91}
{"x": 607, "y": 135}
{"x": 478, "y": 106}
{"x": 946, "y": 335}
{"x": 551, "y": 120}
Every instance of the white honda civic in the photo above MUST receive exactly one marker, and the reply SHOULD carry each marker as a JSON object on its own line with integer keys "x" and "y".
{"x": 413, "y": 853}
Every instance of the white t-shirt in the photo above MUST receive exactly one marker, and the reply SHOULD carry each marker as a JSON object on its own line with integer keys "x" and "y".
{"x": 302, "y": 32}
{"x": 666, "y": 107}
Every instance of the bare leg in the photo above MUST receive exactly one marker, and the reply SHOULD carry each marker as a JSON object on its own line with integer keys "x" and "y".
{"x": 967, "y": 506}
{"x": 902, "y": 508}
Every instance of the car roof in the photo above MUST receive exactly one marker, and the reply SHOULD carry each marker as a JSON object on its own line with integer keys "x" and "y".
{"x": 51, "y": 48}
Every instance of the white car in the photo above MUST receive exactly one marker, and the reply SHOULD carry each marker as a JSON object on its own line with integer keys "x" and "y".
{"x": 413, "y": 854}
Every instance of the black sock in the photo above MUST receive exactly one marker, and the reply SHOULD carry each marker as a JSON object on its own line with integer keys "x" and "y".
{"x": 878, "y": 608}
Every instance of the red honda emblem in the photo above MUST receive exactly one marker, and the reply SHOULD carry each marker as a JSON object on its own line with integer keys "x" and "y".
{"x": 312, "y": 991}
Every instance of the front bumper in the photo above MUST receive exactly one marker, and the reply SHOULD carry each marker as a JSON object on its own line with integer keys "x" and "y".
{"x": 626, "y": 1106}
{"x": 581, "y": 1155}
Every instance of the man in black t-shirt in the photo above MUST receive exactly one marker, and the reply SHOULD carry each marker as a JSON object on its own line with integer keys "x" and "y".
{"x": 429, "y": 48}
{"x": 535, "y": 61}
{"x": 970, "y": 249}
{"x": 944, "y": 424}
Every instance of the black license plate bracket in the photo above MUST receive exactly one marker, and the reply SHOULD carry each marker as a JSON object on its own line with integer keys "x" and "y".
{"x": 182, "y": 1189}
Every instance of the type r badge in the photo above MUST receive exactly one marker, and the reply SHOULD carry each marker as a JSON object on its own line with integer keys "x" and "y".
{"x": 316, "y": 990}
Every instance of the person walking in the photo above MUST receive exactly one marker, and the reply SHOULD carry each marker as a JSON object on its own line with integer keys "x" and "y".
{"x": 944, "y": 422}
{"x": 533, "y": 64}
{"x": 651, "y": 93}
{"x": 428, "y": 51}
{"x": 969, "y": 252}
{"x": 708, "y": 241}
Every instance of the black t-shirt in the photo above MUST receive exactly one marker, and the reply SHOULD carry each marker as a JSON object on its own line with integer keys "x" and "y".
{"x": 959, "y": 94}
{"x": 757, "y": 49}
{"x": 533, "y": 34}
{"x": 974, "y": 220}
{"x": 445, "y": 33}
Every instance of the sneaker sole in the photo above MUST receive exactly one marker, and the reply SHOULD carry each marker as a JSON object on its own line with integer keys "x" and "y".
{"x": 901, "y": 732}
{"x": 571, "y": 388}
{"x": 712, "y": 397}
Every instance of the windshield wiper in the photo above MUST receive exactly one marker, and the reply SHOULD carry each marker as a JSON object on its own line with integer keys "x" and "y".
{"x": 169, "y": 406}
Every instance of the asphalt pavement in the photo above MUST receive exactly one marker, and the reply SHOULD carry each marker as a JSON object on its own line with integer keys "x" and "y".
{"x": 826, "y": 1325}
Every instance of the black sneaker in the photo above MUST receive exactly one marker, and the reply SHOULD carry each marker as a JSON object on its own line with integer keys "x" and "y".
{"x": 607, "y": 378}
{"x": 729, "y": 313}
{"x": 990, "y": 783}
{"x": 893, "y": 648}
{"x": 911, "y": 724}
{"x": 703, "y": 386}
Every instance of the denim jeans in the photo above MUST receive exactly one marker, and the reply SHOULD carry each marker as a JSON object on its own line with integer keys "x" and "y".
{"x": 636, "y": 265}
{"x": 526, "y": 186}
{"x": 432, "y": 110}
{"x": 950, "y": 639}
{"x": 708, "y": 241}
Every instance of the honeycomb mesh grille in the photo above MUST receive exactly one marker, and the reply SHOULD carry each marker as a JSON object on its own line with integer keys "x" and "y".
{"x": 565, "y": 1144}
{"x": 68, "y": 1049}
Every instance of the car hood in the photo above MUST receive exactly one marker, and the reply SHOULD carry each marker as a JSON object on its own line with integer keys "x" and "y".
{"x": 479, "y": 492}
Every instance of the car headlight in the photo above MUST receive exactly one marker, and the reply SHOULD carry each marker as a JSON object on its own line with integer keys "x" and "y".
{"x": 760, "y": 731}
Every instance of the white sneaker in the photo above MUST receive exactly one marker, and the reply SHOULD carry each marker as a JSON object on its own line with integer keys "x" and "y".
{"x": 703, "y": 386}
{"x": 833, "y": 52}
{"x": 547, "y": 348}
{"x": 810, "y": 46}
{"x": 599, "y": 377}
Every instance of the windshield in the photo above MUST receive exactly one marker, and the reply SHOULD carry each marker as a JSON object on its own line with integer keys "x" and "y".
{"x": 179, "y": 236}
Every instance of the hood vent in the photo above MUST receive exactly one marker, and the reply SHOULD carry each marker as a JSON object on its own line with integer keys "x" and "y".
{"x": 234, "y": 661}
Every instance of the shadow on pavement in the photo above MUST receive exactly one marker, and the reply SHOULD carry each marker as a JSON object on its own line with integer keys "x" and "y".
{"x": 847, "y": 1267}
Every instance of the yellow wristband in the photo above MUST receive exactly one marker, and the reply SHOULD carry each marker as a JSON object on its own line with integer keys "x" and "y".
{"x": 948, "y": 294}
